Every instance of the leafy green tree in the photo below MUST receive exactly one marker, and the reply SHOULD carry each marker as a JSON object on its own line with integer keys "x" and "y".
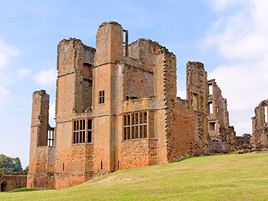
{"x": 8, "y": 164}
{"x": 26, "y": 170}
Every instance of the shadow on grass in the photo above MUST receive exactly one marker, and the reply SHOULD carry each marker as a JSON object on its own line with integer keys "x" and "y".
{"x": 25, "y": 190}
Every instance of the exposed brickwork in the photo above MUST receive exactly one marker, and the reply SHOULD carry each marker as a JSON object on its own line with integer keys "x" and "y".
{"x": 116, "y": 108}
{"x": 260, "y": 126}
{"x": 11, "y": 181}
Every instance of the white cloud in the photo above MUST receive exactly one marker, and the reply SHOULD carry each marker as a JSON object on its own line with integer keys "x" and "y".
{"x": 4, "y": 95}
{"x": 241, "y": 39}
{"x": 220, "y": 5}
{"x": 23, "y": 72}
{"x": 46, "y": 77}
{"x": 6, "y": 53}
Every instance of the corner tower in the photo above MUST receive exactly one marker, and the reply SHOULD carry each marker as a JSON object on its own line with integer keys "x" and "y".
{"x": 109, "y": 53}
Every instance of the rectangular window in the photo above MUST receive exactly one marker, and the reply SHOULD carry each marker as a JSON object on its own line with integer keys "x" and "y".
{"x": 101, "y": 97}
{"x": 212, "y": 126}
{"x": 51, "y": 137}
{"x": 210, "y": 89}
{"x": 135, "y": 125}
{"x": 80, "y": 133}
{"x": 265, "y": 114}
{"x": 89, "y": 131}
{"x": 210, "y": 108}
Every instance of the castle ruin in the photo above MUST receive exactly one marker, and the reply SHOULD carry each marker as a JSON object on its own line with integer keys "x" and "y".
{"x": 116, "y": 108}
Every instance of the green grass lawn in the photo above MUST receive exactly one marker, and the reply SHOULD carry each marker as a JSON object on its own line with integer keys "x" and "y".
{"x": 231, "y": 177}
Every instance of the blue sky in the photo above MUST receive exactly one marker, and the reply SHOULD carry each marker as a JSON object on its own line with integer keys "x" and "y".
{"x": 223, "y": 34}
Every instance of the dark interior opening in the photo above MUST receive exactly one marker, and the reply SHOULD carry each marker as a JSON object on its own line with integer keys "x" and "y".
{"x": 4, "y": 186}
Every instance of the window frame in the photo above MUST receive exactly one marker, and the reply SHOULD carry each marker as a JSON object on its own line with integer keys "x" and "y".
{"x": 135, "y": 125}
{"x": 80, "y": 131}
{"x": 101, "y": 97}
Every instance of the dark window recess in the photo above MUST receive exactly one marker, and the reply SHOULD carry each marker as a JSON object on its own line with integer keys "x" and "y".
{"x": 101, "y": 97}
{"x": 88, "y": 65}
{"x": 101, "y": 165}
{"x": 89, "y": 131}
{"x": 125, "y": 42}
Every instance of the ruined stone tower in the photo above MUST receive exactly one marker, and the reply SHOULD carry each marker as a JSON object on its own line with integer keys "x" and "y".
{"x": 41, "y": 163}
{"x": 260, "y": 126}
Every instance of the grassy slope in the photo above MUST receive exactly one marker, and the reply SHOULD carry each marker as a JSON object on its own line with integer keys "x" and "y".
{"x": 226, "y": 177}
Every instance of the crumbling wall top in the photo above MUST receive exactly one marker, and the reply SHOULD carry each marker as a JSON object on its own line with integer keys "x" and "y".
{"x": 153, "y": 44}
{"x": 110, "y": 22}
{"x": 41, "y": 92}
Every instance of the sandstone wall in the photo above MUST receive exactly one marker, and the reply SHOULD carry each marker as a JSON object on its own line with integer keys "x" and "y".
{"x": 12, "y": 181}
{"x": 259, "y": 137}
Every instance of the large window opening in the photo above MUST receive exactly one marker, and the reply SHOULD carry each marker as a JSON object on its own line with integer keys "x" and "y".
{"x": 82, "y": 131}
{"x": 135, "y": 125}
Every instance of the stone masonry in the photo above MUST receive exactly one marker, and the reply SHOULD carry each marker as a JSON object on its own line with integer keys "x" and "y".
{"x": 259, "y": 137}
{"x": 11, "y": 181}
{"x": 116, "y": 108}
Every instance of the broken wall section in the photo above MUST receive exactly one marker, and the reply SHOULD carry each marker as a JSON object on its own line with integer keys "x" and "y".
{"x": 162, "y": 64}
{"x": 259, "y": 137}
{"x": 197, "y": 95}
{"x": 221, "y": 134}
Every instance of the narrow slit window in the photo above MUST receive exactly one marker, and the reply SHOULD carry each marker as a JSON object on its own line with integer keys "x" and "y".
{"x": 210, "y": 89}
{"x": 210, "y": 108}
{"x": 89, "y": 131}
{"x": 265, "y": 114}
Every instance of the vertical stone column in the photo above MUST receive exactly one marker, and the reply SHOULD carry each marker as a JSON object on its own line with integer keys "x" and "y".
{"x": 197, "y": 94}
{"x": 38, "y": 141}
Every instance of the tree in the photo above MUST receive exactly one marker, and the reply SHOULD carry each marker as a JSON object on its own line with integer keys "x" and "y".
{"x": 8, "y": 164}
{"x": 26, "y": 170}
